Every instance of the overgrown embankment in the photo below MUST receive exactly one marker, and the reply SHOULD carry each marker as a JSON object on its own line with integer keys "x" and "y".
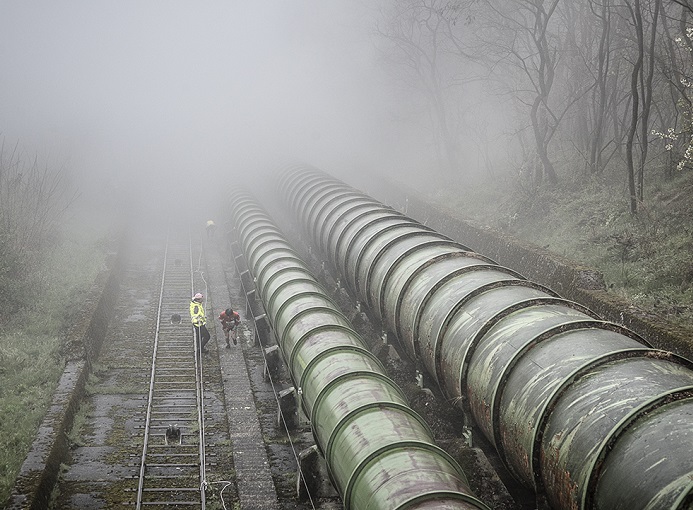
{"x": 48, "y": 260}
{"x": 33, "y": 350}
{"x": 581, "y": 241}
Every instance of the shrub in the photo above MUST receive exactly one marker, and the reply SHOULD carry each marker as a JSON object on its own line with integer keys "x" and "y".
{"x": 33, "y": 201}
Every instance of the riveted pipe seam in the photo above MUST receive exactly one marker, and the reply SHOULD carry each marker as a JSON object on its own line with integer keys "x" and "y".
{"x": 309, "y": 183}
{"x": 371, "y": 225}
{"x": 409, "y": 445}
{"x": 507, "y": 369}
{"x": 339, "y": 354}
{"x": 566, "y": 382}
{"x": 326, "y": 192}
{"x": 502, "y": 314}
{"x": 312, "y": 304}
{"x": 345, "y": 347}
{"x": 293, "y": 327}
{"x": 344, "y": 217}
{"x": 326, "y": 353}
{"x": 329, "y": 216}
{"x": 382, "y": 268}
{"x": 400, "y": 245}
{"x": 456, "y": 384}
{"x": 644, "y": 408}
{"x": 349, "y": 418}
{"x": 319, "y": 188}
{"x": 612, "y": 389}
{"x": 341, "y": 399}
{"x": 259, "y": 240}
{"x": 404, "y": 288}
{"x": 477, "y": 319}
{"x": 268, "y": 261}
{"x": 363, "y": 378}
{"x": 536, "y": 384}
{"x": 278, "y": 280}
{"x": 260, "y": 260}
{"x": 279, "y": 298}
{"x": 369, "y": 251}
{"x": 322, "y": 209}
{"x": 658, "y": 433}
{"x": 419, "y": 300}
{"x": 404, "y": 270}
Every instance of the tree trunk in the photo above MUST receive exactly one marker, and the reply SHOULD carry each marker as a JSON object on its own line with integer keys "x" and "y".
{"x": 647, "y": 102}
{"x": 635, "y": 110}
{"x": 600, "y": 96}
{"x": 448, "y": 142}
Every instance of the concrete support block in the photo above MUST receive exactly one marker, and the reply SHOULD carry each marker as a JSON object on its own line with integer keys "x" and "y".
{"x": 249, "y": 298}
{"x": 272, "y": 362}
{"x": 246, "y": 278}
{"x": 312, "y": 476}
{"x": 287, "y": 411}
{"x": 264, "y": 332}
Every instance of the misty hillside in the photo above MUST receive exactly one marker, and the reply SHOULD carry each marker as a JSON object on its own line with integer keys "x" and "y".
{"x": 644, "y": 258}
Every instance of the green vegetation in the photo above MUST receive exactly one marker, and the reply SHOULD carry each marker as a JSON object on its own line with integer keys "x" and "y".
{"x": 46, "y": 264}
{"x": 30, "y": 348}
{"x": 33, "y": 204}
{"x": 645, "y": 258}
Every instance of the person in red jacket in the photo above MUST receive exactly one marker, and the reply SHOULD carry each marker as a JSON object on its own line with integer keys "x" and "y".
{"x": 229, "y": 320}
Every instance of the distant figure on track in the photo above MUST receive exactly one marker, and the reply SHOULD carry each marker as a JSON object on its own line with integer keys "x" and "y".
{"x": 211, "y": 227}
{"x": 229, "y": 320}
{"x": 199, "y": 321}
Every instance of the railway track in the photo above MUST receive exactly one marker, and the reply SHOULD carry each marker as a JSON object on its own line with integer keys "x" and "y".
{"x": 172, "y": 465}
{"x": 159, "y": 427}
{"x": 183, "y": 428}
{"x": 147, "y": 379}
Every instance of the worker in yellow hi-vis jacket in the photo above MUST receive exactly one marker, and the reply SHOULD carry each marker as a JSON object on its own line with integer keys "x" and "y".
{"x": 199, "y": 321}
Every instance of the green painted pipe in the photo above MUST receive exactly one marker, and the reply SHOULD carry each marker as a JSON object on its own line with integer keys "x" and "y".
{"x": 380, "y": 453}
{"x": 572, "y": 403}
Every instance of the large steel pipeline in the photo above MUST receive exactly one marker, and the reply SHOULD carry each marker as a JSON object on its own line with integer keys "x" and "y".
{"x": 380, "y": 454}
{"x": 580, "y": 409}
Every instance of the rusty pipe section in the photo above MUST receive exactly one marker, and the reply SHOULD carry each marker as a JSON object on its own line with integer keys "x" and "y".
{"x": 379, "y": 452}
{"x": 578, "y": 408}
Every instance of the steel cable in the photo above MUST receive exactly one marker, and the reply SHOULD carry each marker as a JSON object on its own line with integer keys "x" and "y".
{"x": 199, "y": 380}
{"x": 274, "y": 390}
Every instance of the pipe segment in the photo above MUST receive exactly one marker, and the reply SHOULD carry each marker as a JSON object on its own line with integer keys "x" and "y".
{"x": 380, "y": 454}
{"x": 578, "y": 408}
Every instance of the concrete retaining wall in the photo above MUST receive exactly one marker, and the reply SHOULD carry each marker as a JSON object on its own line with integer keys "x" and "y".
{"x": 41, "y": 467}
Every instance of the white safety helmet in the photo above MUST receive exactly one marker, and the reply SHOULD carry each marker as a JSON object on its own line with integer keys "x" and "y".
{"x": 197, "y": 297}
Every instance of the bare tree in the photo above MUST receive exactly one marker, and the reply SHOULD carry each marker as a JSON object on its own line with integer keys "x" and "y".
{"x": 33, "y": 200}
{"x": 685, "y": 4}
{"x": 603, "y": 91}
{"x": 625, "y": 63}
{"x": 524, "y": 39}
{"x": 676, "y": 66}
{"x": 641, "y": 96}
{"x": 420, "y": 40}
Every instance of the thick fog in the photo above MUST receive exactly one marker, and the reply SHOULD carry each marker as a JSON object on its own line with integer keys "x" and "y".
{"x": 173, "y": 101}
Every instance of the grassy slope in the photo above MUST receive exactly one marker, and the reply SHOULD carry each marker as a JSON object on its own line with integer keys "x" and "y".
{"x": 647, "y": 258}
{"x": 30, "y": 358}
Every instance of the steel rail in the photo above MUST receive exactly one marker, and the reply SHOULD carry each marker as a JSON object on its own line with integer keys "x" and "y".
{"x": 246, "y": 293}
{"x": 166, "y": 464}
{"x": 199, "y": 387}
{"x": 150, "y": 397}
